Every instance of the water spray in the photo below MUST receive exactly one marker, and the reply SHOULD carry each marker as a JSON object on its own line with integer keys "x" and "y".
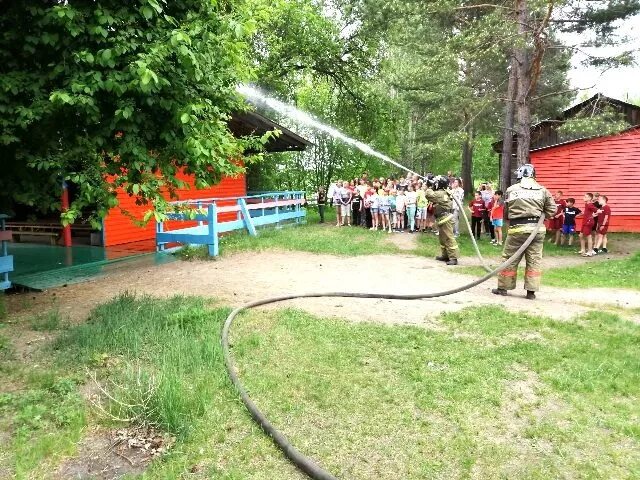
{"x": 257, "y": 96}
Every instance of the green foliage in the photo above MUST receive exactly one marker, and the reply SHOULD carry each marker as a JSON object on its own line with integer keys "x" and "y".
{"x": 303, "y": 55}
{"x": 117, "y": 95}
{"x": 449, "y": 67}
{"x": 298, "y": 40}
{"x": 375, "y": 121}
{"x": 485, "y": 161}
{"x": 600, "y": 18}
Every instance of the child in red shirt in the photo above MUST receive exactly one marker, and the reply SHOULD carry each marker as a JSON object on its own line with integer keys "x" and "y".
{"x": 587, "y": 226}
{"x": 477, "y": 208}
{"x": 497, "y": 214}
{"x": 604, "y": 219}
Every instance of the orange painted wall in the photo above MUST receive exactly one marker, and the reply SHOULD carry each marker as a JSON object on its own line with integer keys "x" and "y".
{"x": 119, "y": 229}
{"x": 608, "y": 165}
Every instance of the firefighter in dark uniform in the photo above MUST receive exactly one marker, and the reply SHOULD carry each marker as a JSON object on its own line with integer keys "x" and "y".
{"x": 524, "y": 203}
{"x": 439, "y": 195}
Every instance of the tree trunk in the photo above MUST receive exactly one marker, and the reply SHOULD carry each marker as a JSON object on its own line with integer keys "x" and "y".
{"x": 467, "y": 157}
{"x": 522, "y": 55}
{"x": 507, "y": 136}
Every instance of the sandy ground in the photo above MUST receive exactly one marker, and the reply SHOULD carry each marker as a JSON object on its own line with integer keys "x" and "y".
{"x": 248, "y": 276}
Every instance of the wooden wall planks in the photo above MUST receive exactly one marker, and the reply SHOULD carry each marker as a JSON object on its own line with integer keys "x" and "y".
{"x": 607, "y": 165}
{"x": 119, "y": 228}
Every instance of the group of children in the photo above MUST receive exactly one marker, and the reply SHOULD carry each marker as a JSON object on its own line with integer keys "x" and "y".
{"x": 487, "y": 207}
{"x": 398, "y": 205}
{"x": 595, "y": 223}
{"x": 383, "y": 204}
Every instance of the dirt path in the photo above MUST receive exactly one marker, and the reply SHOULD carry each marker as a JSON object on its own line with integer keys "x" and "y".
{"x": 404, "y": 241}
{"x": 249, "y": 276}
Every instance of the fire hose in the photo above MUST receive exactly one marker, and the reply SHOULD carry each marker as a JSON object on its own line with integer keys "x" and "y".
{"x": 301, "y": 461}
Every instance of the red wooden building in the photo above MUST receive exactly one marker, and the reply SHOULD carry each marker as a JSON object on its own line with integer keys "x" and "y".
{"x": 608, "y": 165}
{"x": 119, "y": 229}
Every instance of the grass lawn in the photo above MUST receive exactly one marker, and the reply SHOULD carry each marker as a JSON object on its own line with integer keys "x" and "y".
{"x": 592, "y": 273}
{"x": 489, "y": 395}
{"x": 623, "y": 273}
{"x": 42, "y": 413}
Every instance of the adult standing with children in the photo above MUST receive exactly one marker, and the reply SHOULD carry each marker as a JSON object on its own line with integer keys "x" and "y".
{"x": 345, "y": 203}
{"x": 525, "y": 202}
{"x": 458, "y": 194}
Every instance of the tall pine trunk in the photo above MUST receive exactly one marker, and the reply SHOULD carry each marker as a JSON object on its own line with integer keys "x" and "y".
{"x": 507, "y": 136}
{"x": 467, "y": 156}
{"x": 522, "y": 55}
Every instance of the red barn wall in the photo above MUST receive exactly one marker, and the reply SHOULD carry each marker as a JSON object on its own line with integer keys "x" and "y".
{"x": 119, "y": 228}
{"x": 608, "y": 165}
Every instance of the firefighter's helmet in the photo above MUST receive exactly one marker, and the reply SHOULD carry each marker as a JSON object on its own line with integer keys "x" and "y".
{"x": 525, "y": 171}
{"x": 440, "y": 183}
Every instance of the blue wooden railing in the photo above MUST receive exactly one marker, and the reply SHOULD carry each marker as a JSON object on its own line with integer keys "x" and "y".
{"x": 6, "y": 260}
{"x": 213, "y": 217}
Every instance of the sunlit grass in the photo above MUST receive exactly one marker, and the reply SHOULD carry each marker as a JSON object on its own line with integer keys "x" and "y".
{"x": 591, "y": 273}
{"x": 488, "y": 393}
{"x": 493, "y": 394}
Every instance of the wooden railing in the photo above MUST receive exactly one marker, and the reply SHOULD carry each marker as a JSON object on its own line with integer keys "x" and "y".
{"x": 213, "y": 216}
